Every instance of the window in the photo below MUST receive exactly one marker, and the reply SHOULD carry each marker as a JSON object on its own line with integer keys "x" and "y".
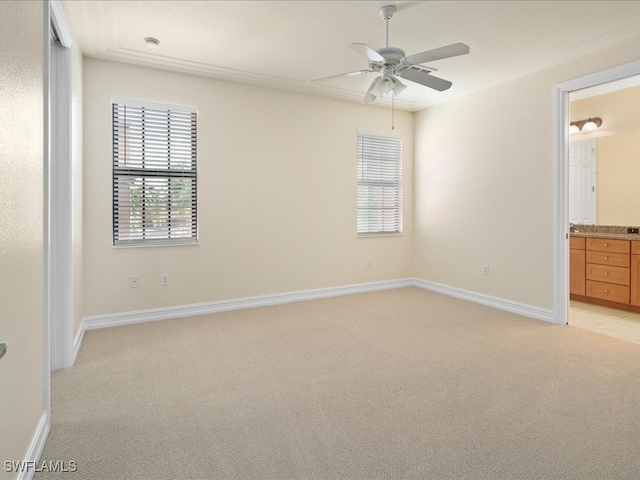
{"x": 379, "y": 184}
{"x": 154, "y": 174}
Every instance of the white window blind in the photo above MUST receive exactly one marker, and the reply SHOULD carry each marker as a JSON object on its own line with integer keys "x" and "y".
{"x": 379, "y": 184}
{"x": 154, "y": 174}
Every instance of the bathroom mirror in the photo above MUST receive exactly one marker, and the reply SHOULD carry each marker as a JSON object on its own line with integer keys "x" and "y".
{"x": 616, "y": 167}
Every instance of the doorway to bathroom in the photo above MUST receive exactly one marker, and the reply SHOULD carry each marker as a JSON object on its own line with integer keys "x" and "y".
{"x": 601, "y": 196}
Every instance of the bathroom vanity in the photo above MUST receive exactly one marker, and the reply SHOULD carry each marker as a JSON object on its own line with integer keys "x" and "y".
{"x": 605, "y": 267}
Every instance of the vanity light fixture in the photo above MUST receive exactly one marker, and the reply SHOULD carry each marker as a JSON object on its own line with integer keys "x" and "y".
{"x": 152, "y": 42}
{"x": 588, "y": 125}
{"x": 592, "y": 124}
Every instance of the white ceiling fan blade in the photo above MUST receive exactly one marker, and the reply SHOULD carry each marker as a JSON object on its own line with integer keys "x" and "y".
{"x": 398, "y": 87}
{"x": 447, "y": 51}
{"x": 347, "y": 74}
{"x": 369, "y": 97}
{"x": 423, "y": 78}
{"x": 367, "y": 51}
{"x": 426, "y": 68}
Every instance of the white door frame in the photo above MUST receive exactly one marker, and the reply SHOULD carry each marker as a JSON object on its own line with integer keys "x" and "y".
{"x": 58, "y": 193}
{"x": 561, "y": 179}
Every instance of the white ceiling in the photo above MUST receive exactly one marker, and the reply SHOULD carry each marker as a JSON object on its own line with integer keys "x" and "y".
{"x": 282, "y": 44}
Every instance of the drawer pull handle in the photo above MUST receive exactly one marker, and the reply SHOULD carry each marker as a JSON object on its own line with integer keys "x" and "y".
{"x": 606, "y": 258}
{"x": 606, "y": 291}
{"x": 606, "y": 244}
{"x": 606, "y": 273}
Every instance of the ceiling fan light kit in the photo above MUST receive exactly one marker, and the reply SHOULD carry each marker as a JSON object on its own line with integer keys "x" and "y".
{"x": 391, "y": 64}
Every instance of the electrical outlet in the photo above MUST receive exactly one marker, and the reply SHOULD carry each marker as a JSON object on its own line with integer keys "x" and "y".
{"x": 135, "y": 282}
{"x": 368, "y": 261}
{"x": 165, "y": 279}
{"x": 485, "y": 269}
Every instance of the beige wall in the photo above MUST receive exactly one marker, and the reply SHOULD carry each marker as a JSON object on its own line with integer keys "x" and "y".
{"x": 618, "y": 111}
{"x": 484, "y": 184}
{"x": 483, "y": 193}
{"x": 277, "y": 195}
{"x": 618, "y": 176}
{"x": 21, "y": 226}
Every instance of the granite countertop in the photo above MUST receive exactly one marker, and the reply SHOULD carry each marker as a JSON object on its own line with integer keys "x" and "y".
{"x": 604, "y": 231}
{"x": 612, "y": 236}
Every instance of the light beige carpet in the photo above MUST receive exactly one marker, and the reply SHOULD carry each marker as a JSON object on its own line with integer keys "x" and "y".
{"x": 396, "y": 384}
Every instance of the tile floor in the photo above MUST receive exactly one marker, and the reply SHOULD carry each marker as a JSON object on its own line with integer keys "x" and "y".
{"x": 608, "y": 321}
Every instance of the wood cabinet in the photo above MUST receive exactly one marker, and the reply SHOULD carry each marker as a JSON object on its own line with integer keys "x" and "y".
{"x": 606, "y": 245}
{"x": 577, "y": 266}
{"x": 605, "y": 271}
{"x": 607, "y": 265}
{"x": 608, "y": 291}
{"x": 635, "y": 273}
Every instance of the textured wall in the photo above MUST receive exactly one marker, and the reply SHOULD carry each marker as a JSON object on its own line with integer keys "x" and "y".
{"x": 21, "y": 225}
{"x": 277, "y": 195}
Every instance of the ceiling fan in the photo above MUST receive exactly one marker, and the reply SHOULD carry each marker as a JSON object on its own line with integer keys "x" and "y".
{"x": 392, "y": 64}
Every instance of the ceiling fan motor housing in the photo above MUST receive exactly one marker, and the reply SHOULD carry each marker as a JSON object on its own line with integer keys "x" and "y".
{"x": 392, "y": 55}
{"x": 392, "y": 59}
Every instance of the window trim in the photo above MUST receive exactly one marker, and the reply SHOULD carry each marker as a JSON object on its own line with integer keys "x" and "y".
{"x": 400, "y": 232}
{"x": 153, "y": 242}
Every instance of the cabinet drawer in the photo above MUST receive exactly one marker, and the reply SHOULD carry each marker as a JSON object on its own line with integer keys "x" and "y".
{"x": 635, "y": 247}
{"x": 606, "y": 273}
{"x": 578, "y": 243}
{"x": 615, "y": 259}
{"x": 608, "y": 291}
{"x": 606, "y": 245}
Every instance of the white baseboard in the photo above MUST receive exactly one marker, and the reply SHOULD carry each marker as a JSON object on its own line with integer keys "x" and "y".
{"x": 77, "y": 341}
{"x": 140, "y": 316}
{"x": 36, "y": 447}
{"x": 495, "y": 302}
